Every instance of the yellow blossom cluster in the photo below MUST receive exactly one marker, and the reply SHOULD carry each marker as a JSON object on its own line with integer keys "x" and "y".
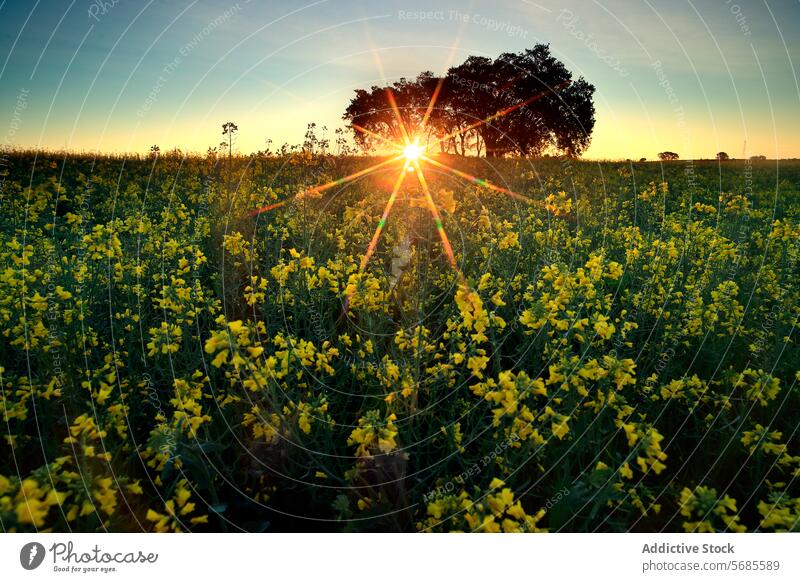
{"x": 170, "y": 356}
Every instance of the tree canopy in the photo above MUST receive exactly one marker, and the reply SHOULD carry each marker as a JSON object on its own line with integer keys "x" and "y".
{"x": 525, "y": 103}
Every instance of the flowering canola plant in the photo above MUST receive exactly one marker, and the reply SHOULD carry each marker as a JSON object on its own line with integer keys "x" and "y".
{"x": 559, "y": 359}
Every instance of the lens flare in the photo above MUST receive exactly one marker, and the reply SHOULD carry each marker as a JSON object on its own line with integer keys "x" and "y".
{"x": 408, "y": 151}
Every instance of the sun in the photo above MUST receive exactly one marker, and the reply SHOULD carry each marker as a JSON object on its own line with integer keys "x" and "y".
{"x": 413, "y": 151}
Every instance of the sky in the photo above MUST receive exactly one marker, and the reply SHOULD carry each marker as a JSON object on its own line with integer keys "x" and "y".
{"x": 695, "y": 77}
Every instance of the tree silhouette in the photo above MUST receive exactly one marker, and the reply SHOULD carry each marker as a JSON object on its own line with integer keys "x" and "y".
{"x": 667, "y": 156}
{"x": 229, "y": 128}
{"x": 722, "y": 156}
{"x": 523, "y": 103}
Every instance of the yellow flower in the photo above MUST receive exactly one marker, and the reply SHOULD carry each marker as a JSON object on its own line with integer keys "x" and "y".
{"x": 603, "y": 328}
{"x": 34, "y": 502}
{"x": 477, "y": 364}
{"x": 165, "y": 339}
{"x": 374, "y": 434}
{"x": 510, "y": 240}
{"x": 560, "y": 429}
{"x": 714, "y": 512}
{"x": 177, "y": 510}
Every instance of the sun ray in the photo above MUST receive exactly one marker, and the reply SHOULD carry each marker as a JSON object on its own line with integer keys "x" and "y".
{"x": 351, "y": 177}
{"x": 375, "y": 135}
{"x": 401, "y": 123}
{"x": 448, "y": 248}
{"x": 376, "y": 57}
{"x": 373, "y": 244}
{"x": 268, "y": 207}
{"x": 481, "y": 182}
{"x": 440, "y": 83}
{"x": 328, "y": 185}
{"x": 432, "y": 102}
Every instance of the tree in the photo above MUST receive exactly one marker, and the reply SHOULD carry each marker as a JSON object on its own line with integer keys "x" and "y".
{"x": 667, "y": 156}
{"x": 558, "y": 112}
{"x": 229, "y": 128}
{"x": 722, "y": 156}
{"x": 520, "y": 103}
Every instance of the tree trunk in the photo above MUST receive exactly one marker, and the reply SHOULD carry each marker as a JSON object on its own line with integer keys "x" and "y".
{"x": 492, "y": 145}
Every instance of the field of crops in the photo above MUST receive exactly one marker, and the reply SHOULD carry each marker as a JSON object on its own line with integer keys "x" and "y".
{"x": 618, "y": 353}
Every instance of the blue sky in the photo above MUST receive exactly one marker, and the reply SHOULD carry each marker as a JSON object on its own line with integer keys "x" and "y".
{"x": 693, "y": 77}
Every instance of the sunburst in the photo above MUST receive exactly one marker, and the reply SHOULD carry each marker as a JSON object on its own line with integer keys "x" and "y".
{"x": 413, "y": 151}
{"x": 409, "y": 156}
